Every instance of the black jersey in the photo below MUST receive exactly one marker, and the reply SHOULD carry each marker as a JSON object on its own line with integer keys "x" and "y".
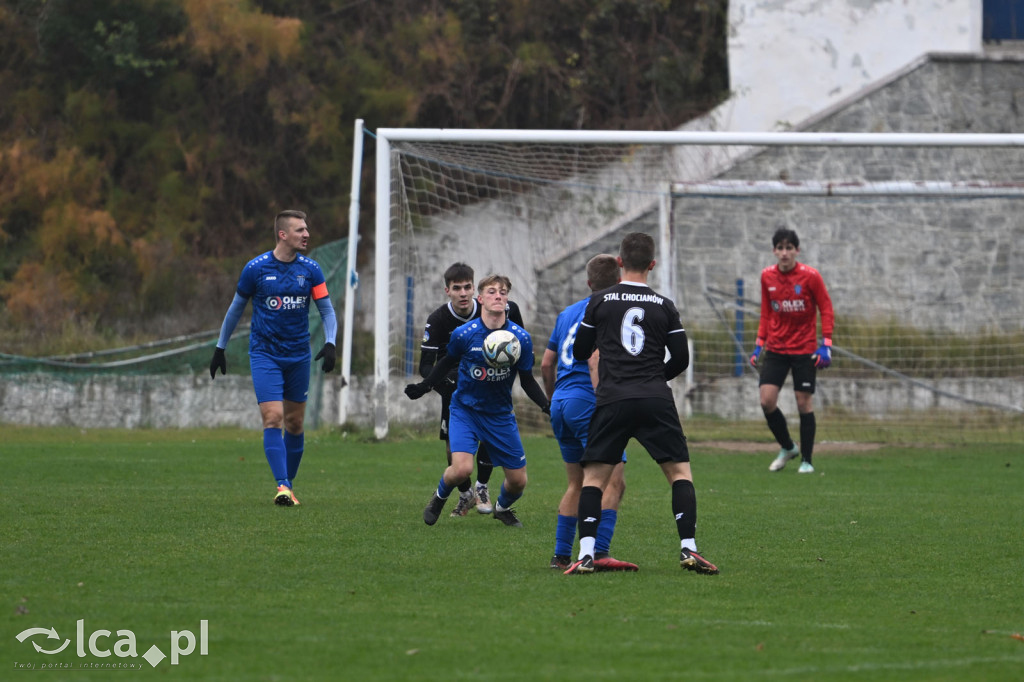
{"x": 440, "y": 325}
{"x": 632, "y": 324}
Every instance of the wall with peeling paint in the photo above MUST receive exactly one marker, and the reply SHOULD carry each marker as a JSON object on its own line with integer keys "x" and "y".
{"x": 789, "y": 59}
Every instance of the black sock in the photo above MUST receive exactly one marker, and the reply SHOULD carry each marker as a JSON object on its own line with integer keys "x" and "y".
{"x": 464, "y": 486}
{"x": 777, "y": 423}
{"x": 590, "y": 511}
{"x": 684, "y": 507}
{"x": 483, "y": 464}
{"x": 807, "y": 428}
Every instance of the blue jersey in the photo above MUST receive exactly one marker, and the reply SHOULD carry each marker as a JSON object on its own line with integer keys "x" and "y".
{"x": 281, "y": 293}
{"x": 481, "y": 387}
{"x": 572, "y": 379}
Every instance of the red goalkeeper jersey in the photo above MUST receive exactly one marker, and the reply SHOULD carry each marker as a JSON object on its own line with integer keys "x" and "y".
{"x": 790, "y": 302}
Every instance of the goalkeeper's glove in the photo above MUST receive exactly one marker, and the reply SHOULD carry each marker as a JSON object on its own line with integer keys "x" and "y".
{"x": 823, "y": 356}
{"x": 329, "y": 355}
{"x": 417, "y": 391}
{"x": 546, "y": 408}
{"x": 756, "y": 354}
{"x": 218, "y": 362}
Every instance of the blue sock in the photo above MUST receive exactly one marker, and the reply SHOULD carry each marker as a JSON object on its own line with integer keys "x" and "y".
{"x": 273, "y": 446}
{"x": 605, "y": 530}
{"x": 506, "y": 499}
{"x": 565, "y": 535}
{"x": 443, "y": 489}
{"x": 294, "y": 444}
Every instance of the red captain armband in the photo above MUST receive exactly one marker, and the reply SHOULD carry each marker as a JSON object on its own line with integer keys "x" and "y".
{"x": 320, "y": 291}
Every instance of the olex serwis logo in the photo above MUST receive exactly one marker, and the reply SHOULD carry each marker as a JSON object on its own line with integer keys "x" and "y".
{"x": 104, "y": 644}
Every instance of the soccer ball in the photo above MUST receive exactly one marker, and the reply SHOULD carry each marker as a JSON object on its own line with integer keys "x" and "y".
{"x": 502, "y": 349}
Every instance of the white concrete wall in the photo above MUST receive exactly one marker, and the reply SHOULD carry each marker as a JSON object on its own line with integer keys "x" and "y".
{"x": 789, "y": 59}
{"x": 164, "y": 402}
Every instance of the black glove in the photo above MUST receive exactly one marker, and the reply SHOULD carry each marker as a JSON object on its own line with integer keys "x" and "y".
{"x": 328, "y": 354}
{"x": 218, "y": 362}
{"x": 417, "y": 391}
{"x": 546, "y": 408}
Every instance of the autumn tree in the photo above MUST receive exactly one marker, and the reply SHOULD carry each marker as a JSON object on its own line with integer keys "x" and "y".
{"x": 145, "y": 144}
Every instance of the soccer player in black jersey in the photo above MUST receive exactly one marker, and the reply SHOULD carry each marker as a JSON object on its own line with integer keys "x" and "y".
{"x": 632, "y": 326}
{"x": 462, "y": 306}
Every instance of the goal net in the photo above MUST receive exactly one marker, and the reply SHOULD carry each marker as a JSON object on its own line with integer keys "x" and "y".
{"x": 917, "y": 237}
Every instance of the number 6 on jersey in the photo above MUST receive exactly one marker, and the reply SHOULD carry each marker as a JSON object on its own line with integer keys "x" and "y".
{"x": 632, "y": 333}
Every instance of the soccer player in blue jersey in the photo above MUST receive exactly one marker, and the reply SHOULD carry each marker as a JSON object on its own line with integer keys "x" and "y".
{"x": 281, "y": 284}
{"x": 569, "y": 385}
{"x": 481, "y": 407}
{"x": 632, "y": 326}
{"x": 462, "y": 306}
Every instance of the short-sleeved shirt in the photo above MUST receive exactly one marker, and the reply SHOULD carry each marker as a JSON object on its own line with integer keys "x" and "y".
{"x": 633, "y": 324}
{"x": 281, "y": 294}
{"x": 481, "y": 387}
{"x": 790, "y": 302}
{"x": 572, "y": 378}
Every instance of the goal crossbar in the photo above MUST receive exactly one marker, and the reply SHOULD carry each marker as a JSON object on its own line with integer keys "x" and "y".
{"x": 681, "y": 137}
{"x": 738, "y": 188}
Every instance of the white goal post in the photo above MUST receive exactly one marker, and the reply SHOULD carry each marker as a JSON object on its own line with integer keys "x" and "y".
{"x": 539, "y": 203}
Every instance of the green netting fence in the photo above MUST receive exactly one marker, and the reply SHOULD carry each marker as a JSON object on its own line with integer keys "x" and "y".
{"x": 190, "y": 353}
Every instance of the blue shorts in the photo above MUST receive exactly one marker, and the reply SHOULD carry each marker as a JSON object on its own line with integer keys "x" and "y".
{"x": 499, "y": 432}
{"x": 278, "y": 379}
{"x": 570, "y": 420}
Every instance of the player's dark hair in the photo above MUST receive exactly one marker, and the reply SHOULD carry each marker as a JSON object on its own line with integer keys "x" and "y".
{"x": 784, "y": 234}
{"x": 458, "y": 272}
{"x": 636, "y": 251}
{"x": 602, "y": 271}
{"x": 494, "y": 279}
{"x": 280, "y": 221}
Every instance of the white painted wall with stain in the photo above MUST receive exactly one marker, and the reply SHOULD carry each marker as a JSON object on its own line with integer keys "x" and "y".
{"x": 789, "y": 59}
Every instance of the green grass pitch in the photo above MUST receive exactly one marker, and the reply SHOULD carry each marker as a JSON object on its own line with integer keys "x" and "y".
{"x": 894, "y": 564}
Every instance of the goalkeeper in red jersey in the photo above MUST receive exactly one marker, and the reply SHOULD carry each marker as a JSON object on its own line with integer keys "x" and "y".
{"x": 792, "y": 296}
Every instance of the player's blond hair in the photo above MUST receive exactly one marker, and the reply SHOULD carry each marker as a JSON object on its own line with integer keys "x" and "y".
{"x": 494, "y": 279}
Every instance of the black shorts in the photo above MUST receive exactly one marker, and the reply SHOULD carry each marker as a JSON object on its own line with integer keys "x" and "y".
{"x": 654, "y": 422}
{"x": 446, "y": 414}
{"x": 446, "y": 402}
{"x": 776, "y": 366}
